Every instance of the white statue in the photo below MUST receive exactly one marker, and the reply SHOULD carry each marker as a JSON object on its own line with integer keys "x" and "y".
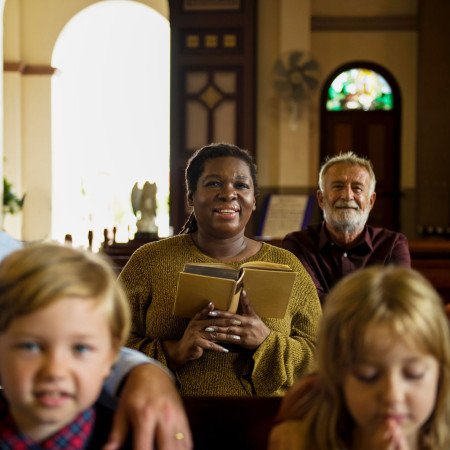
{"x": 143, "y": 202}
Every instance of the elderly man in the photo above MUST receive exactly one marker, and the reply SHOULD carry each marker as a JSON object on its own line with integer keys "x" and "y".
{"x": 343, "y": 242}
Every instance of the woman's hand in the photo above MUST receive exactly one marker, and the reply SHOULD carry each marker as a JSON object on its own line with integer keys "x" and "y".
{"x": 194, "y": 341}
{"x": 210, "y": 327}
{"x": 246, "y": 329}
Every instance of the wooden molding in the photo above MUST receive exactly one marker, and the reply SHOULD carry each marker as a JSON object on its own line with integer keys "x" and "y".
{"x": 377, "y": 23}
{"x": 9, "y": 66}
{"x": 28, "y": 69}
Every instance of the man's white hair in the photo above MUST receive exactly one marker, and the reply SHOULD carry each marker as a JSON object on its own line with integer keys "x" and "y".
{"x": 351, "y": 159}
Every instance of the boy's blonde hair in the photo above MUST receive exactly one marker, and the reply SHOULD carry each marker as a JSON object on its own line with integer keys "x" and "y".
{"x": 36, "y": 276}
{"x": 407, "y": 303}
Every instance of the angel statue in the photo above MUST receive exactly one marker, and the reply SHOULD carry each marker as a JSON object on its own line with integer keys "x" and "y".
{"x": 143, "y": 202}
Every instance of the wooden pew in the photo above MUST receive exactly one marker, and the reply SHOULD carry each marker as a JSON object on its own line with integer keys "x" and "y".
{"x": 431, "y": 257}
{"x": 231, "y": 423}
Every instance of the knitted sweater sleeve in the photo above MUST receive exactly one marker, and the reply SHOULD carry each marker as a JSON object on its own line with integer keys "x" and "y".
{"x": 287, "y": 354}
{"x": 136, "y": 279}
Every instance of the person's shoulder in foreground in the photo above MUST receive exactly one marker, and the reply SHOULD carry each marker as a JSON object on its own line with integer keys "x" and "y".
{"x": 8, "y": 244}
{"x": 383, "y": 378}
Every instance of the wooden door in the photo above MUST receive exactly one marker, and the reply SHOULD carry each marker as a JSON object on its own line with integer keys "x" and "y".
{"x": 213, "y": 51}
{"x": 375, "y": 135}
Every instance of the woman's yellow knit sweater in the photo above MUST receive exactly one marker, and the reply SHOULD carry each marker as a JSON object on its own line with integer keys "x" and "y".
{"x": 150, "y": 281}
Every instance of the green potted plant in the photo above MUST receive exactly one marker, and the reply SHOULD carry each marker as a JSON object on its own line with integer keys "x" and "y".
{"x": 12, "y": 203}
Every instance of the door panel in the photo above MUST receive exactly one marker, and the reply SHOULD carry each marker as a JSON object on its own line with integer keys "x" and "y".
{"x": 213, "y": 69}
{"x": 371, "y": 134}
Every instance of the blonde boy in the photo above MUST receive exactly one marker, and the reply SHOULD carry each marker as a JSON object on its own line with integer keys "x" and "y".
{"x": 63, "y": 320}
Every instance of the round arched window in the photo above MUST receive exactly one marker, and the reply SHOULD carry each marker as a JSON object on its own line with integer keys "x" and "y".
{"x": 359, "y": 89}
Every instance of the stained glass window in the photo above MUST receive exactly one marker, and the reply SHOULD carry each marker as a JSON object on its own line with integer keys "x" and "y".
{"x": 359, "y": 89}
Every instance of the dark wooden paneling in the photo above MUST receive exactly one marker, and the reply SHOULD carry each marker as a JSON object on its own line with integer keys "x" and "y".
{"x": 230, "y": 423}
{"x": 241, "y": 58}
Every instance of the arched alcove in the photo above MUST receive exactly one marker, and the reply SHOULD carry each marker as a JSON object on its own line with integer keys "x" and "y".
{"x": 372, "y": 130}
{"x": 110, "y": 118}
{"x": 27, "y": 99}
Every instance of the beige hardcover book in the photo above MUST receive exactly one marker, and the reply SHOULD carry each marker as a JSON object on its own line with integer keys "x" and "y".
{"x": 268, "y": 286}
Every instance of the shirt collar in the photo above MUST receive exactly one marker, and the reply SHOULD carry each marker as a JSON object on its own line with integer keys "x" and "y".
{"x": 363, "y": 243}
{"x": 75, "y": 435}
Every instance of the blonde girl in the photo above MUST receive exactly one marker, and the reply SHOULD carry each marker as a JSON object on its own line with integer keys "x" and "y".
{"x": 383, "y": 370}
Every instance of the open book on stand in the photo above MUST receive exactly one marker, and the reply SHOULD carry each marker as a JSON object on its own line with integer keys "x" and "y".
{"x": 268, "y": 286}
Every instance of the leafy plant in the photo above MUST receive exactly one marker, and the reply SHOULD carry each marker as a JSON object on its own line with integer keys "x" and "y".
{"x": 11, "y": 202}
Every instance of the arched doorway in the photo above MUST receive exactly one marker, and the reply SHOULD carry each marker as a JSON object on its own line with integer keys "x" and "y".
{"x": 360, "y": 111}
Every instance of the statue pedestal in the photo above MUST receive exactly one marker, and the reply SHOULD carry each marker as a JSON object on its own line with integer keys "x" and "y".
{"x": 120, "y": 252}
{"x": 145, "y": 236}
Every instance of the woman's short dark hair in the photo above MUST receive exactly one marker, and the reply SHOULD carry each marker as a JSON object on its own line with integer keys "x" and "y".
{"x": 196, "y": 165}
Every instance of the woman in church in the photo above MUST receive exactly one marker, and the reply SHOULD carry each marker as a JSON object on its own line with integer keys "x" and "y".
{"x": 218, "y": 353}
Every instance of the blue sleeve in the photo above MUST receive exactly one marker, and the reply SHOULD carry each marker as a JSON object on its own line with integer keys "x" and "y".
{"x": 128, "y": 360}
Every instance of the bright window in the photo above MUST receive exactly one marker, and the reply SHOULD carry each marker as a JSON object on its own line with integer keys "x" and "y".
{"x": 359, "y": 89}
{"x": 110, "y": 119}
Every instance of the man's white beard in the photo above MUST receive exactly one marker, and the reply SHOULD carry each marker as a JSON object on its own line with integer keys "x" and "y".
{"x": 346, "y": 220}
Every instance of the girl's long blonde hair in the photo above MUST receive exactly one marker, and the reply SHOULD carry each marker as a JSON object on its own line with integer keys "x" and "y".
{"x": 406, "y": 302}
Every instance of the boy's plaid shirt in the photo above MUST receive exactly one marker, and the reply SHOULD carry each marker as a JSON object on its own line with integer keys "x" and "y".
{"x": 74, "y": 436}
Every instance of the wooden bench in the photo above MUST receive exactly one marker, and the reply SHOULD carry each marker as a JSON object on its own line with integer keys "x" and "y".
{"x": 231, "y": 423}
{"x": 431, "y": 257}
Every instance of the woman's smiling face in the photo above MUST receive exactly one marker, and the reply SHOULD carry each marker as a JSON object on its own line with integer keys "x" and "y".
{"x": 224, "y": 198}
